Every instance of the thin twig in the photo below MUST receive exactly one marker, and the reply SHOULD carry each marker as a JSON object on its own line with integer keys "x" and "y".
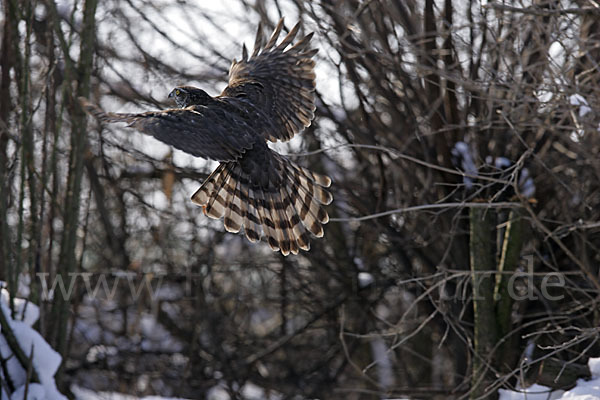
{"x": 504, "y": 204}
{"x": 545, "y": 12}
{"x": 397, "y": 154}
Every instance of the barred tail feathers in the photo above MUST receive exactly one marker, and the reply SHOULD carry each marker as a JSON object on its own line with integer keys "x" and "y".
{"x": 213, "y": 204}
{"x": 284, "y": 215}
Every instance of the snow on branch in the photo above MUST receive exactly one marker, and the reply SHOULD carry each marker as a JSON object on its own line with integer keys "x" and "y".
{"x": 28, "y": 363}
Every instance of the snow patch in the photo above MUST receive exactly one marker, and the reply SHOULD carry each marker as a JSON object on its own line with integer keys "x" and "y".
{"x": 45, "y": 360}
{"x": 463, "y": 158}
{"x": 583, "y": 390}
{"x": 365, "y": 279}
{"x": 578, "y": 100}
{"x": 594, "y": 364}
{"x": 533, "y": 392}
{"x": 249, "y": 391}
{"x": 87, "y": 394}
{"x": 35, "y": 391}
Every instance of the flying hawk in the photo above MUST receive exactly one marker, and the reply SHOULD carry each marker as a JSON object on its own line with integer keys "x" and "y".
{"x": 270, "y": 97}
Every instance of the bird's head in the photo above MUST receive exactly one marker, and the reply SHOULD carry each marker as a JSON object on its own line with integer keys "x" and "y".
{"x": 186, "y": 96}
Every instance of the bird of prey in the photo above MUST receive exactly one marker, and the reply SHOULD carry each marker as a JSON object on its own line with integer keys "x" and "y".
{"x": 269, "y": 97}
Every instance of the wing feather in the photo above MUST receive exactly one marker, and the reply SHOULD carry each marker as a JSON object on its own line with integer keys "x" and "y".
{"x": 279, "y": 80}
{"x": 215, "y": 131}
{"x": 258, "y": 42}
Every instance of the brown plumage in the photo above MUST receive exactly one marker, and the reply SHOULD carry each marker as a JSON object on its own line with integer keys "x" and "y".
{"x": 270, "y": 96}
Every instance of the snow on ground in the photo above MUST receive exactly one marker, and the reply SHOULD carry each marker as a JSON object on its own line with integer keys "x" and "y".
{"x": 45, "y": 360}
{"x": 584, "y": 390}
{"x": 249, "y": 391}
{"x": 35, "y": 391}
{"x": 86, "y": 394}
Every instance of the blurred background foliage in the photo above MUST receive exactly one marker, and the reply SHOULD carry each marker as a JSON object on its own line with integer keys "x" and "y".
{"x": 380, "y": 306}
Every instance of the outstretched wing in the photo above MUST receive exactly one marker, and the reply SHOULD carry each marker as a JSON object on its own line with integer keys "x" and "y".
{"x": 213, "y": 131}
{"x": 280, "y": 82}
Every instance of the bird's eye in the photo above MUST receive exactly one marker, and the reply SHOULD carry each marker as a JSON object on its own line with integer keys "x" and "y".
{"x": 177, "y": 92}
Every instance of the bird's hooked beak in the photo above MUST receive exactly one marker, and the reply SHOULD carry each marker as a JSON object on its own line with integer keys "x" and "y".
{"x": 172, "y": 94}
